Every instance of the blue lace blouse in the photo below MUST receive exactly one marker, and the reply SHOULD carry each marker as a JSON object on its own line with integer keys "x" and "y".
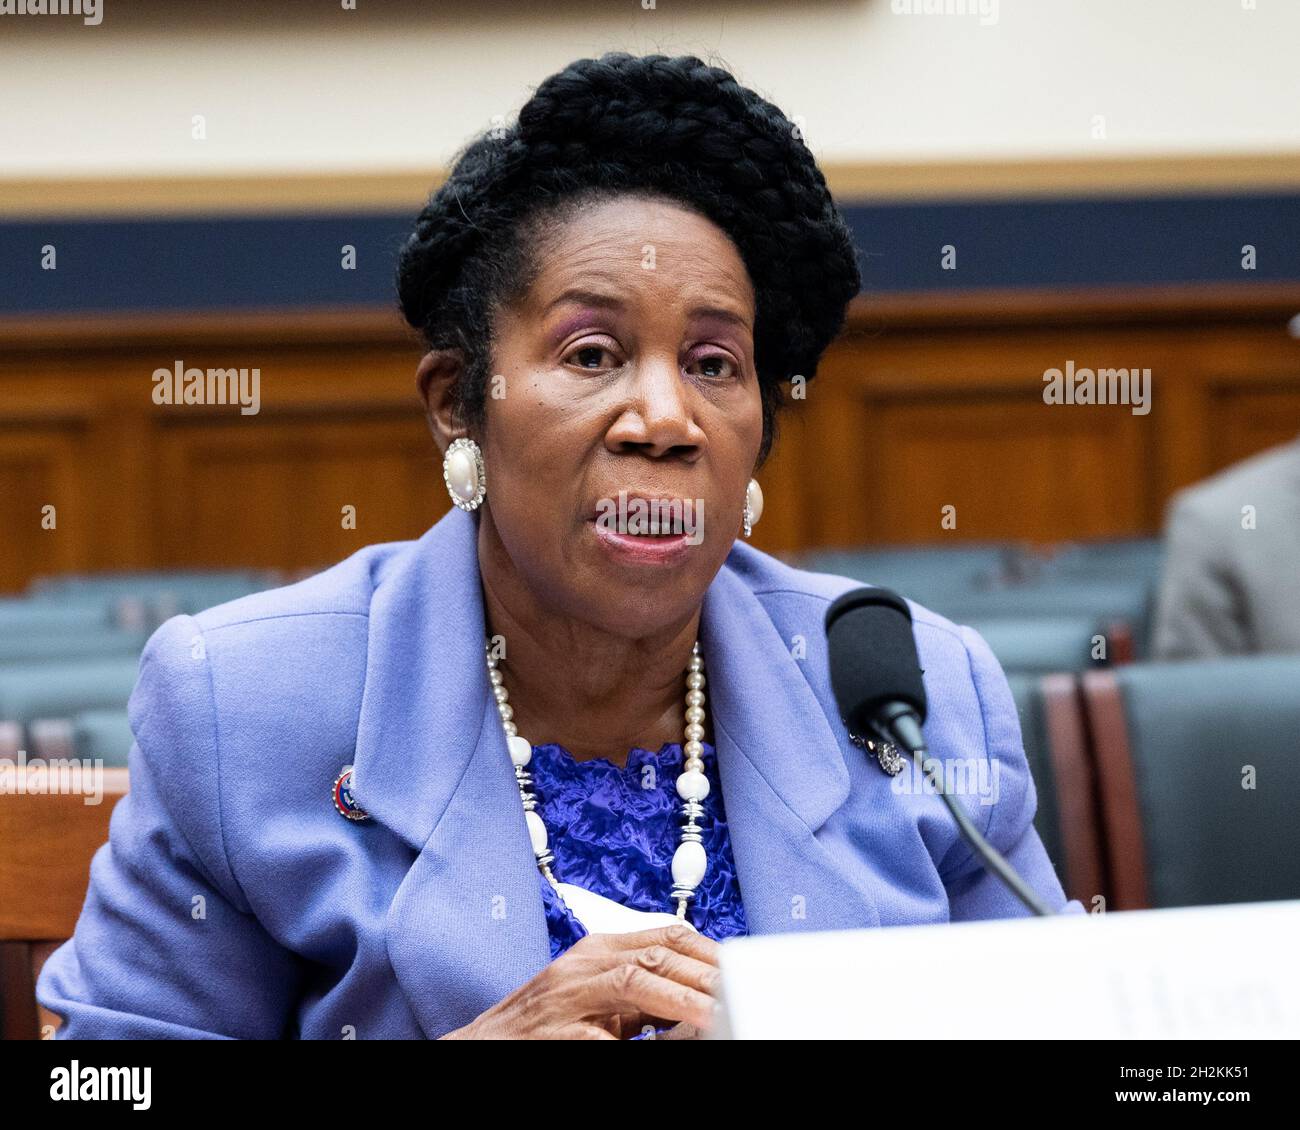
{"x": 614, "y": 830}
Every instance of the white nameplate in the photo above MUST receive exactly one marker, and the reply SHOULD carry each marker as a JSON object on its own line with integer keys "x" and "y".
{"x": 1222, "y": 972}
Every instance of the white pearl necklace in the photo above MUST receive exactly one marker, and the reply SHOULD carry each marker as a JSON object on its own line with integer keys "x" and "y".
{"x": 690, "y": 861}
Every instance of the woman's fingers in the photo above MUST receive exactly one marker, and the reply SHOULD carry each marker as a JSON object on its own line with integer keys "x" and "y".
{"x": 658, "y": 958}
{"x": 680, "y": 938}
{"x": 692, "y": 965}
{"x": 620, "y": 983}
{"x": 607, "y": 986}
{"x": 675, "y": 967}
{"x": 632, "y": 987}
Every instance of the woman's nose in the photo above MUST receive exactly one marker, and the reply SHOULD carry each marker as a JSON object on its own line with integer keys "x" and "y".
{"x": 658, "y": 416}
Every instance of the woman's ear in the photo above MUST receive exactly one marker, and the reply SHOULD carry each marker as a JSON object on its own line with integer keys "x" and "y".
{"x": 436, "y": 378}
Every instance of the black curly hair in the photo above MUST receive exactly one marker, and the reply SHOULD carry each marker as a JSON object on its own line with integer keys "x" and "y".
{"x": 675, "y": 128}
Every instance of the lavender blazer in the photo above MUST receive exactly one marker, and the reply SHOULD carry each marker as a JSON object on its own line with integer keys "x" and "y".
{"x": 233, "y": 900}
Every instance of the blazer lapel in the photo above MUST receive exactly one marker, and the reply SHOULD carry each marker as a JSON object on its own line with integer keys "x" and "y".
{"x": 467, "y": 925}
{"x": 781, "y": 766}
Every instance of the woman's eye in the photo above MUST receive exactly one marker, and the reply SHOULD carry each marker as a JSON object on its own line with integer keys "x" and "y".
{"x": 715, "y": 366}
{"x": 592, "y": 357}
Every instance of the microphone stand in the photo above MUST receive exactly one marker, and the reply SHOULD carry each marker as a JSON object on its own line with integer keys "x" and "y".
{"x": 899, "y": 724}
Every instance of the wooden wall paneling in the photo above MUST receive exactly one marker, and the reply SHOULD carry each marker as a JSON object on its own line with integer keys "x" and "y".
{"x": 38, "y": 460}
{"x": 841, "y": 493}
{"x": 1250, "y": 381}
{"x": 1253, "y": 417}
{"x": 786, "y": 498}
{"x": 1238, "y": 397}
{"x": 42, "y": 432}
{"x": 1183, "y": 438}
{"x": 335, "y": 427}
{"x": 270, "y": 491}
{"x": 958, "y": 419}
{"x": 119, "y": 460}
{"x": 1010, "y": 470}
{"x": 925, "y": 400}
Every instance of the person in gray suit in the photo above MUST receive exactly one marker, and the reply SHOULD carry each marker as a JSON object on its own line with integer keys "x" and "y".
{"x": 1231, "y": 581}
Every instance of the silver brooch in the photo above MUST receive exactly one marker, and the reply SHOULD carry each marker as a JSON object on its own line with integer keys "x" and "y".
{"x": 891, "y": 760}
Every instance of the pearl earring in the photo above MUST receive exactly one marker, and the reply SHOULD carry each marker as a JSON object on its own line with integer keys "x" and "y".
{"x": 463, "y": 472}
{"x": 753, "y": 505}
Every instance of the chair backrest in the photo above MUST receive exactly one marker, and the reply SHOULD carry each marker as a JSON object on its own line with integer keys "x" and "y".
{"x": 145, "y": 583}
{"x": 93, "y": 735}
{"x": 162, "y": 594}
{"x": 1199, "y": 779}
{"x": 1120, "y": 557}
{"x": 1027, "y": 692}
{"x": 104, "y": 735}
{"x": 1044, "y": 644}
{"x": 48, "y": 840}
{"x": 928, "y": 574}
{"x": 23, "y": 616}
{"x": 61, "y": 643}
{"x": 65, "y": 688}
{"x": 1121, "y": 600}
{"x": 1110, "y": 584}
{"x": 11, "y": 739}
{"x": 50, "y": 738}
{"x": 1056, "y": 747}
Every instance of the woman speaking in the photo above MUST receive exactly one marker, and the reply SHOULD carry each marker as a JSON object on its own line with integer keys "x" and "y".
{"x": 520, "y": 777}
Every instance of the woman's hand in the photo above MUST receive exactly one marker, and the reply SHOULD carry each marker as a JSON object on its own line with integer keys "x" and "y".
{"x": 609, "y": 987}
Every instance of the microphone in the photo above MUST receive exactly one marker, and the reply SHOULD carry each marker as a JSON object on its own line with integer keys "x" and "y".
{"x": 876, "y": 680}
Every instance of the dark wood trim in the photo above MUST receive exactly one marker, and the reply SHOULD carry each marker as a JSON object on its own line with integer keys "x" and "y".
{"x": 1094, "y": 305}
{"x": 18, "y": 1016}
{"x": 355, "y": 325}
{"x": 1121, "y": 811}
{"x": 1076, "y": 794}
{"x": 70, "y": 832}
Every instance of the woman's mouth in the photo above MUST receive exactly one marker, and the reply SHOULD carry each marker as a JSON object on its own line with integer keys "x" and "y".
{"x": 640, "y": 549}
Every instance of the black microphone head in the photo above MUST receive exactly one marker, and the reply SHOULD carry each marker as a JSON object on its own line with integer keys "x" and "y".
{"x": 872, "y": 655}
